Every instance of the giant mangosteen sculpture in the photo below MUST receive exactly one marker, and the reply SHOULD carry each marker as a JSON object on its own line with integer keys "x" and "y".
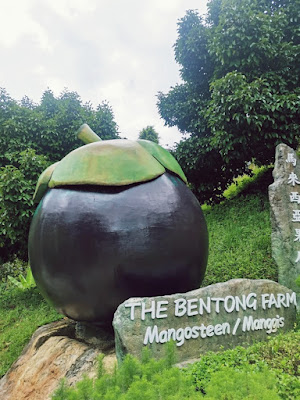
{"x": 115, "y": 220}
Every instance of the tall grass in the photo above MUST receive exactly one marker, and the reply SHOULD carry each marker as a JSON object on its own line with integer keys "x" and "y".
{"x": 240, "y": 240}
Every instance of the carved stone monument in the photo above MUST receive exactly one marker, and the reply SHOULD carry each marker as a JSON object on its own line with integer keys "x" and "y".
{"x": 221, "y": 316}
{"x": 284, "y": 195}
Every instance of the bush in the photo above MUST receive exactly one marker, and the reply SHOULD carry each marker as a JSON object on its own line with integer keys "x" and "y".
{"x": 256, "y": 182}
{"x": 17, "y": 185}
{"x": 280, "y": 355}
{"x": 135, "y": 380}
{"x": 14, "y": 268}
{"x": 231, "y": 384}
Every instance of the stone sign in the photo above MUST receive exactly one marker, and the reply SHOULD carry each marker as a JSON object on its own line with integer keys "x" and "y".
{"x": 220, "y": 316}
{"x": 284, "y": 195}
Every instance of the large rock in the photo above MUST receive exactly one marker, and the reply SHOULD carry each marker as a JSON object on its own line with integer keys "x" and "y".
{"x": 220, "y": 316}
{"x": 54, "y": 353}
{"x": 284, "y": 195}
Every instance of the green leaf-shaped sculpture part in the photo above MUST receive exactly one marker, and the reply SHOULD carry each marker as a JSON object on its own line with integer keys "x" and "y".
{"x": 43, "y": 181}
{"x": 114, "y": 162}
{"x": 164, "y": 157}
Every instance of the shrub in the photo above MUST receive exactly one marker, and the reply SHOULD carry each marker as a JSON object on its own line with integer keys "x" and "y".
{"x": 231, "y": 384}
{"x": 280, "y": 355}
{"x": 14, "y": 268}
{"x": 17, "y": 185}
{"x": 135, "y": 380}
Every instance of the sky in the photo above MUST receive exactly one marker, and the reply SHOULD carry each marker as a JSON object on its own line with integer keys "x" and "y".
{"x": 120, "y": 51}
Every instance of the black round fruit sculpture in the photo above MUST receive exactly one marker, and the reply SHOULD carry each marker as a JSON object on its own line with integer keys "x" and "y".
{"x": 115, "y": 220}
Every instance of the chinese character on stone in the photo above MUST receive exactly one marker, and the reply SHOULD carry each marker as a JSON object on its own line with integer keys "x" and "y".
{"x": 293, "y": 179}
{"x": 291, "y": 159}
{"x": 298, "y": 257}
{"x": 295, "y": 197}
{"x": 297, "y": 239}
{"x": 296, "y": 216}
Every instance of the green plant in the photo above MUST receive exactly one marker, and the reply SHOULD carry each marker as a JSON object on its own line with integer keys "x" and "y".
{"x": 239, "y": 95}
{"x": 279, "y": 355}
{"x": 149, "y": 133}
{"x": 134, "y": 380}
{"x": 22, "y": 282}
{"x": 17, "y": 184}
{"x": 246, "y": 182}
{"x": 231, "y": 384}
{"x": 14, "y": 268}
{"x": 236, "y": 249}
{"x": 21, "y": 313}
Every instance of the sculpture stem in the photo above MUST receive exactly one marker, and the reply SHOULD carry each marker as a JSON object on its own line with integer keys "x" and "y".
{"x": 87, "y": 135}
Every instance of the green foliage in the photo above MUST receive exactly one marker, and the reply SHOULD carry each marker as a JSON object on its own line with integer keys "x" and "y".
{"x": 279, "y": 355}
{"x": 267, "y": 371}
{"x": 31, "y": 138}
{"x": 21, "y": 313}
{"x": 241, "y": 385}
{"x": 251, "y": 181}
{"x": 23, "y": 282}
{"x": 17, "y": 183}
{"x": 134, "y": 380}
{"x": 49, "y": 128}
{"x": 149, "y": 133}
{"x": 239, "y": 240}
{"x": 240, "y": 94}
{"x": 14, "y": 268}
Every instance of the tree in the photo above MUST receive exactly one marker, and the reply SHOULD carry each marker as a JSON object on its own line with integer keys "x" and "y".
{"x": 149, "y": 133}
{"x": 49, "y": 128}
{"x": 31, "y": 138}
{"x": 240, "y": 94}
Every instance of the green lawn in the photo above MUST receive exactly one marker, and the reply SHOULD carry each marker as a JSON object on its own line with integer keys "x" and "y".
{"x": 239, "y": 240}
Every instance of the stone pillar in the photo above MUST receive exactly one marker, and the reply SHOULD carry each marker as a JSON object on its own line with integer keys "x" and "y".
{"x": 284, "y": 195}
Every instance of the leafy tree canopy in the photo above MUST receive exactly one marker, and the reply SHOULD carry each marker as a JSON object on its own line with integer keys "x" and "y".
{"x": 31, "y": 138}
{"x": 49, "y": 127}
{"x": 240, "y": 94}
{"x": 149, "y": 133}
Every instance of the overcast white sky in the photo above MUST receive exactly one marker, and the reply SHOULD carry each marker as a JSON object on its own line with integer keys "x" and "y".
{"x": 115, "y": 50}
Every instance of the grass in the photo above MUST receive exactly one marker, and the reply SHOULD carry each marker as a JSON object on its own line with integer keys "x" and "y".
{"x": 21, "y": 313}
{"x": 240, "y": 240}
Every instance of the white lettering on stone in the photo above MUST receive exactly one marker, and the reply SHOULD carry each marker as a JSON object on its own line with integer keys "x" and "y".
{"x": 268, "y": 300}
{"x": 229, "y": 304}
{"x": 251, "y": 296}
{"x": 132, "y": 306}
{"x": 297, "y": 235}
{"x": 192, "y": 307}
{"x": 217, "y": 300}
{"x": 151, "y": 335}
{"x": 291, "y": 159}
{"x": 203, "y": 305}
{"x": 180, "y": 307}
{"x": 298, "y": 257}
{"x": 296, "y": 216}
{"x": 270, "y": 325}
{"x": 150, "y": 310}
{"x": 181, "y": 334}
{"x": 161, "y": 309}
{"x": 295, "y": 197}
{"x": 293, "y": 179}
{"x": 291, "y": 298}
